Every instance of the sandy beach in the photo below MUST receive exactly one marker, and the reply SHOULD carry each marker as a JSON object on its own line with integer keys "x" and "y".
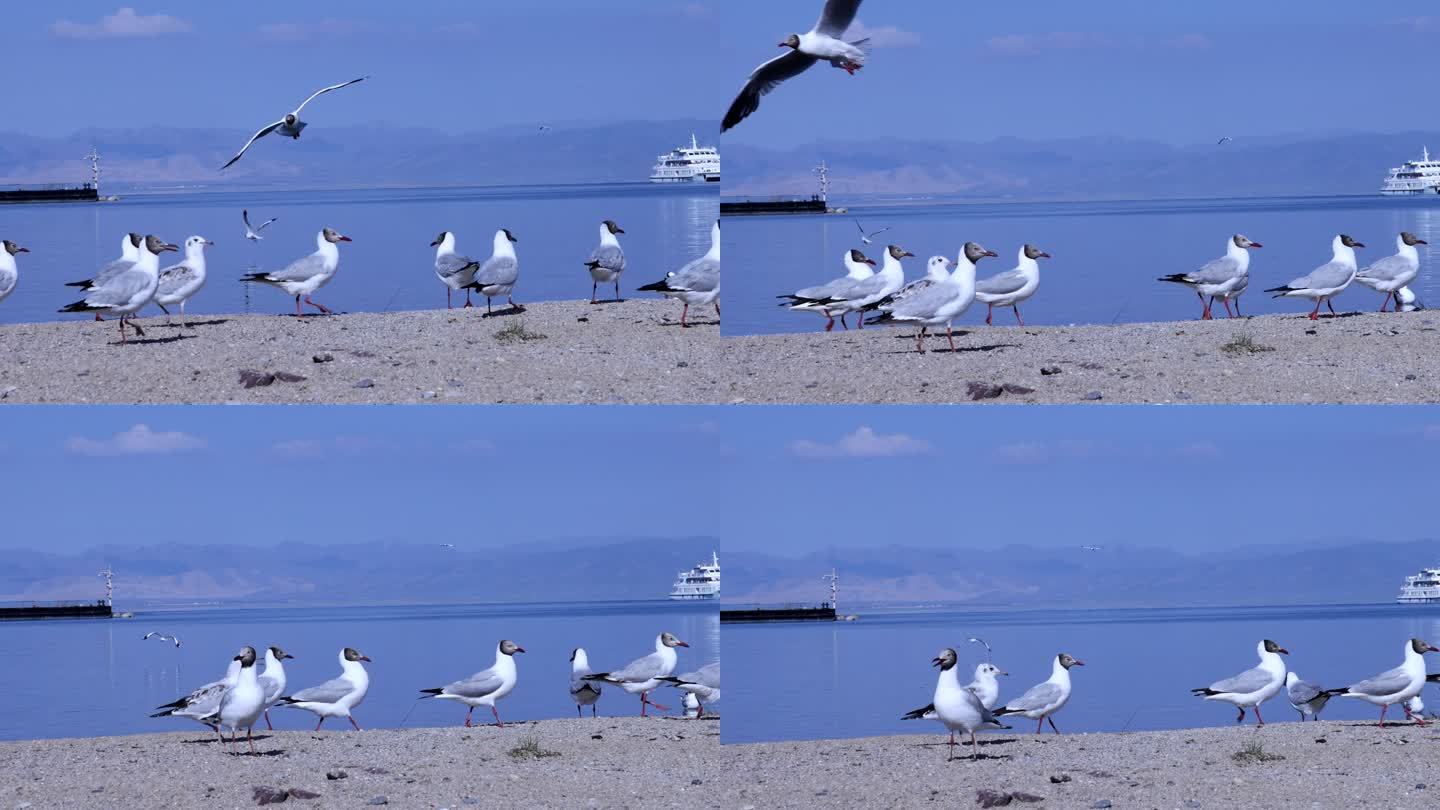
{"x": 1312, "y": 765}
{"x": 559, "y": 351}
{"x": 582, "y": 763}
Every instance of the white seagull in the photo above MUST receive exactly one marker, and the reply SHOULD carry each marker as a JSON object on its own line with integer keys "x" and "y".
{"x": 1253, "y": 686}
{"x": 644, "y": 674}
{"x": 1392, "y": 273}
{"x": 1326, "y": 281}
{"x": 607, "y": 261}
{"x": 129, "y": 254}
{"x": 583, "y": 692}
{"x": 1393, "y": 686}
{"x": 866, "y": 293}
{"x": 179, "y": 282}
{"x": 485, "y": 687}
{"x": 1407, "y": 301}
{"x": 868, "y": 237}
{"x": 454, "y": 270}
{"x": 985, "y": 687}
{"x": 821, "y": 42}
{"x": 857, "y": 268}
{"x": 336, "y": 697}
{"x": 291, "y": 125}
{"x": 127, "y": 291}
{"x": 955, "y": 706}
{"x": 9, "y": 272}
{"x": 940, "y": 303}
{"x": 698, "y": 282}
{"x": 1041, "y": 701}
{"x": 1225, "y": 277}
{"x": 273, "y": 680}
{"x": 242, "y": 704}
{"x": 1305, "y": 697}
{"x": 1013, "y": 286}
{"x": 498, "y": 275}
{"x": 703, "y": 684}
{"x": 253, "y": 234}
{"x": 303, "y": 277}
{"x": 162, "y": 636}
{"x": 201, "y": 704}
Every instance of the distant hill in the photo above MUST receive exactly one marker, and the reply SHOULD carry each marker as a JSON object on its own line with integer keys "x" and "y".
{"x": 349, "y": 157}
{"x": 368, "y": 573}
{"x": 1116, "y": 576}
{"x": 1113, "y": 167}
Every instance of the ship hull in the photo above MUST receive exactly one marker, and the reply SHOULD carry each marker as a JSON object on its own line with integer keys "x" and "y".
{"x": 95, "y": 611}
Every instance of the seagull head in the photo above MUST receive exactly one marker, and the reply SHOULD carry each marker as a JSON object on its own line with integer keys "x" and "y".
{"x": 1411, "y": 239}
{"x": 509, "y": 647}
{"x": 12, "y": 248}
{"x": 1272, "y": 647}
{"x": 1349, "y": 241}
{"x": 792, "y": 41}
{"x": 989, "y": 669}
{"x": 290, "y": 119}
{"x": 280, "y": 655}
{"x": 669, "y": 640}
{"x": 897, "y": 253}
{"x": 511, "y": 236}
{"x": 1421, "y": 647}
{"x": 1033, "y": 253}
{"x": 974, "y": 252}
{"x": 860, "y": 258}
{"x": 578, "y": 651}
{"x": 1243, "y": 241}
{"x": 938, "y": 267}
{"x": 156, "y": 245}
{"x": 1067, "y": 661}
{"x": 135, "y": 239}
{"x": 246, "y": 656}
{"x": 612, "y": 227}
{"x": 439, "y": 240}
{"x": 332, "y": 235}
{"x": 945, "y": 660}
{"x": 352, "y": 654}
{"x": 197, "y": 242}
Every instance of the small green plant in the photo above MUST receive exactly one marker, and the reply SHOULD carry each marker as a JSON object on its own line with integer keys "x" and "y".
{"x": 1254, "y": 752}
{"x": 515, "y": 332}
{"x": 529, "y": 748}
{"x": 1244, "y": 344}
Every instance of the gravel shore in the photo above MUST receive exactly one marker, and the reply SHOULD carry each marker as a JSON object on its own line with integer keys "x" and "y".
{"x": 630, "y": 352}
{"x": 1355, "y": 358}
{"x": 604, "y": 762}
{"x": 1311, "y": 765}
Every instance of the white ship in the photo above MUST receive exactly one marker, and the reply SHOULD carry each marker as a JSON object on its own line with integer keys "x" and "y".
{"x": 700, "y": 582}
{"x": 688, "y": 164}
{"x": 1420, "y": 588}
{"x": 1415, "y": 177}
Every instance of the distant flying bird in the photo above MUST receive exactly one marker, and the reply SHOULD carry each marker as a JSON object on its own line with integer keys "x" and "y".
{"x": 290, "y": 125}
{"x": 981, "y": 642}
{"x": 868, "y": 237}
{"x": 544, "y": 128}
{"x": 1224, "y": 140}
{"x": 447, "y": 545}
{"x": 253, "y": 234}
{"x": 162, "y": 637}
{"x": 822, "y": 42}
{"x": 1091, "y": 548}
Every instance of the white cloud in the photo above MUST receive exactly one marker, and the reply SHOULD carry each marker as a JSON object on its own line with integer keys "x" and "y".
{"x": 882, "y": 36}
{"x": 1046, "y": 452}
{"x": 1031, "y": 44}
{"x": 864, "y": 442}
{"x": 138, "y": 440}
{"x": 122, "y": 24}
{"x": 330, "y": 27}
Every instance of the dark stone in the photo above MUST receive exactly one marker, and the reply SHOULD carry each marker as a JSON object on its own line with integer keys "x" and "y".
{"x": 1094, "y": 396}
{"x": 365, "y": 383}
{"x": 301, "y": 793}
{"x": 1101, "y": 804}
{"x": 377, "y": 771}
{"x": 285, "y": 376}
{"x": 1026, "y": 798}
{"x": 1092, "y": 366}
{"x": 1410, "y": 377}
{"x": 323, "y": 358}
{"x": 582, "y": 320}
{"x": 1018, "y": 390}
{"x": 682, "y": 364}
{"x": 250, "y": 378}
{"x": 983, "y": 390}
{"x": 1420, "y": 786}
{"x": 1064, "y": 777}
{"x": 379, "y": 800}
{"x": 1191, "y": 803}
{"x": 336, "y": 774}
{"x": 265, "y": 794}
{"x": 990, "y": 798}
{"x": 1051, "y": 370}
{"x": 696, "y": 782}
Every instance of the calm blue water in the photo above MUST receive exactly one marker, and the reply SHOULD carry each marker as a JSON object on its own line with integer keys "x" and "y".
{"x": 389, "y": 266}
{"x": 854, "y": 679}
{"x": 87, "y": 678}
{"x": 1107, "y": 255}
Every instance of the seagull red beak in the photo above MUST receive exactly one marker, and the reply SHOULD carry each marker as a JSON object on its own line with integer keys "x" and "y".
{"x": 1044, "y": 255}
{"x": 519, "y": 649}
{"x": 990, "y": 253}
{"x": 366, "y": 658}
{"x": 870, "y": 262}
{"x": 1078, "y": 662}
{"x": 345, "y": 239}
{"x": 1283, "y": 651}
{"x": 1417, "y": 241}
{"x": 1256, "y": 245}
{"x": 27, "y": 250}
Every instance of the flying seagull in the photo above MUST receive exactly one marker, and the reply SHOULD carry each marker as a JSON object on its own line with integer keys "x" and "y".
{"x": 1224, "y": 140}
{"x": 1091, "y": 548}
{"x": 544, "y": 128}
{"x": 290, "y": 125}
{"x": 822, "y": 42}
{"x": 982, "y": 643}
{"x": 867, "y": 238}
{"x": 253, "y": 234}
{"x": 162, "y": 637}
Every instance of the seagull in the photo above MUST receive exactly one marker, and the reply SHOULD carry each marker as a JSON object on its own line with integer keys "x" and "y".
{"x": 1224, "y": 140}
{"x": 867, "y": 238}
{"x": 273, "y": 679}
{"x": 485, "y": 687}
{"x": 1041, "y": 701}
{"x": 9, "y": 272}
{"x": 303, "y": 277}
{"x": 179, "y": 282}
{"x": 644, "y": 674}
{"x": 989, "y": 655}
{"x": 1392, "y": 273}
{"x": 498, "y": 275}
{"x": 201, "y": 704}
{"x": 822, "y": 42}
{"x": 698, "y": 282}
{"x": 1326, "y": 281}
{"x": 1397, "y": 685}
{"x": 337, "y": 696}
{"x": 857, "y": 268}
{"x": 607, "y": 261}
{"x": 1224, "y": 277}
{"x": 583, "y": 692}
{"x": 1009, "y": 288}
{"x": 1307, "y": 698}
{"x": 1253, "y": 686}
{"x": 447, "y": 545}
{"x": 162, "y": 637}
{"x": 957, "y": 707}
{"x": 1092, "y": 548}
{"x": 703, "y": 684}
{"x": 127, "y": 291}
{"x": 544, "y": 128}
{"x": 253, "y": 234}
{"x": 289, "y": 126}
{"x": 935, "y": 272}
{"x": 1407, "y": 301}
{"x": 941, "y": 303}
{"x": 454, "y": 270}
{"x": 129, "y": 253}
{"x": 865, "y": 293}
{"x": 986, "y": 686}
{"x": 242, "y": 704}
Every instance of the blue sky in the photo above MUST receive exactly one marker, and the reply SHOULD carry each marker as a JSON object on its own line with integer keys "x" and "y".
{"x": 1182, "y": 477}
{"x": 445, "y": 64}
{"x": 1178, "y": 72}
{"x": 78, "y": 477}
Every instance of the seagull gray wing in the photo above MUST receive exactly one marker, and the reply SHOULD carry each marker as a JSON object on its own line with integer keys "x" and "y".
{"x": 826, "y": 291}
{"x": 271, "y": 686}
{"x": 476, "y": 686}
{"x": 1302, "y": 692}
{"x": 322, "y": 91}
{"x": 701, "y": 275}
{"x": 640, "y": 670}
{"x": 262, "y": 132}
{"x": 610, "y": 257}
{"x": 504, "y": 270}
{"x": 1386, "y": 683}
{"x": 836, "y": 17}
{"x": 1218, "y": 271}
{"x": 1324, "y": 277}
{"x": 1389, "y": 268}
{"x": 767, "y": 77}
{"x": 174, "y": 277}
{"x": 708, "y": 675}
{"x": 451, "y": 265}
{"x": 110, "y": 271}
{"x": 914, "y": 287}
{"x": 578, "y": 684}
{"x": 923, "y": 303}
{"x": 329, "y": 692}
{"x": 119, "y": 289}
{"x": 1038, "y": 697}
{"x": 1251, "y": 680}
{"x": 863, "y": 288}
{"x": 7, "y": 281}
{"x": 1001, "y": 283}
{"x": 300, "y": 269}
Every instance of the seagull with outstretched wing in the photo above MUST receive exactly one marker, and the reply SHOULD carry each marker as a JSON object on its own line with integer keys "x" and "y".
{"x": 291, "y": 125}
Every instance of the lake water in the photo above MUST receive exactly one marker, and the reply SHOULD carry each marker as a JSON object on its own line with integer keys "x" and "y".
{"x": 1107, "y": 255}
{"x": 853, "y": 679}
{"x": 389, "y": 266}
{"x": 75, "y": 678}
